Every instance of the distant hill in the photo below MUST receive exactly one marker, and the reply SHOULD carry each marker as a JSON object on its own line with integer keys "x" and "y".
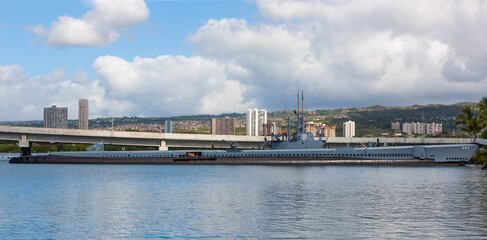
{"x": 372, "y": 120}
{"x": 377, "y": 119}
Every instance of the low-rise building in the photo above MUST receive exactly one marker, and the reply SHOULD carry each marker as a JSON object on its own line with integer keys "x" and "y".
{"x": 271, "y": 129}
{"x": 320, "y": 129}
{"x": 422, "y": 128}
{"x": 396, "y": 126}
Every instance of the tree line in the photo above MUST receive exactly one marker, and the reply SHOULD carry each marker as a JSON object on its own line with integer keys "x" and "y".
{"x": 473, "y": 120}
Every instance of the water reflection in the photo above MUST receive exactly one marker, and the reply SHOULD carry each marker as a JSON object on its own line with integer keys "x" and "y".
{"x": 88, "y": 201}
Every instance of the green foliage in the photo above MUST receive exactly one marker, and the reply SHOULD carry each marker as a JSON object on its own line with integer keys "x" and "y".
{"x": 469, "y": 118}
{"x": 43, "y": 148}
{"x": 69, "y": 148}
{"x": 483, "y": 112}
{"x": 127, "y": 148}
{"x": 23, "y": 123}
{"x": 474, "y": 121}
{"x": 480, "y": 157}
{"x": 190, "y": 131}
{"x": 5, "y": 148}
{"x": 377, "y": 119}
{"x": 240, "y": 131}
{"x": 58, "y": 147}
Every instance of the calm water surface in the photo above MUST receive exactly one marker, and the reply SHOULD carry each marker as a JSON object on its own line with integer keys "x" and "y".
{"x": 127, "y": 201}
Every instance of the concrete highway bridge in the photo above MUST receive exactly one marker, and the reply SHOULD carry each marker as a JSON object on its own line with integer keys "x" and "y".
{"x": 26, "y": 135}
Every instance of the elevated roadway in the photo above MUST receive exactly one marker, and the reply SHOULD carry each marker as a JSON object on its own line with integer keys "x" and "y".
{"x": 26, "y": 135}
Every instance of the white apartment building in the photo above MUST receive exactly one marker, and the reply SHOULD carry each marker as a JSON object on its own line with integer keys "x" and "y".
{"x": 255, "y": 119}
{"x": 421, "y": 128}
{"x": 349, "y": 129}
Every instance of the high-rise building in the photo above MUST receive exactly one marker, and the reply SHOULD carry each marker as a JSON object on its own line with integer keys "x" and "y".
{"x": 56, "y": 117}
{"x": 349, "y": 129}
{"x": 271, "y": 129}
{"x": 168, "y": 126}
{"x": 83, "y": 113}
{"x": 223, "y": 126}
{"x": 255, "y": 120}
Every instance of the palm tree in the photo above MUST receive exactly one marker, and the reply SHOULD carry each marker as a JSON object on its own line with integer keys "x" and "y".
{"x": 482, "y": 105}
{"x": 470, "y": 119}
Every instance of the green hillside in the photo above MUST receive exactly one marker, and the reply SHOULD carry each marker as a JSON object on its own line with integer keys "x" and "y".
{"x": 368, "y": 121}
{"x": 377, "y": 119}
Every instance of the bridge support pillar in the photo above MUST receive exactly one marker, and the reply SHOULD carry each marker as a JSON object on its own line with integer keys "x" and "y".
{"x": 163, "y": 146}
{"x": 24, "y": 145}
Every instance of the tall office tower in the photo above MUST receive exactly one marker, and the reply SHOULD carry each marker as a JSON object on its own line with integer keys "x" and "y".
{"x": 56, "y": 117}
{"x": 168, "y": 126}
{"x": 223, "y": 126}
{"x": 255, "y": 120}
{"x": 249, "y": 122}
{"x": 83, "y": 114}
{"x": 262, "y": 119}
{"x": 349, "y": 129}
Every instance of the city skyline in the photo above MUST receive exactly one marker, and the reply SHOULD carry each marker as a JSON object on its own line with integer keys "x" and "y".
{"x": 172, "y": 58}
{"x": 320, "y": 122}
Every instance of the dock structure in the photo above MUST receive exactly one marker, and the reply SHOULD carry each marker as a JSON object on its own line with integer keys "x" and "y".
{"x": 26, "y": 135}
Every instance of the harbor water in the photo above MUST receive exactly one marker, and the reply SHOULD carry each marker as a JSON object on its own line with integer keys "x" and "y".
{"x": 257, "y": 202}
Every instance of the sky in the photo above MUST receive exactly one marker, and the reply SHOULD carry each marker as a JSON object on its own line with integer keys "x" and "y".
{"x": 163, "y": 58}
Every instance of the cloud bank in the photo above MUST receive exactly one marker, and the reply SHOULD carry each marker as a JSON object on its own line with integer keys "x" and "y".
{"x": 27, "y": 96}
{"x": 176, "y": 83}
{"x": 341, "y": 53}
{"x": 99, "y": 27}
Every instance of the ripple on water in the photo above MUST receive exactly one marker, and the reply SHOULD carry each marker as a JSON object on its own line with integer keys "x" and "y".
{"x": 126, "y": 201}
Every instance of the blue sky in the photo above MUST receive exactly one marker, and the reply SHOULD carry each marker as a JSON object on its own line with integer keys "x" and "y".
{"x": 167, "y": 58}
{"x": 164, "y": 33}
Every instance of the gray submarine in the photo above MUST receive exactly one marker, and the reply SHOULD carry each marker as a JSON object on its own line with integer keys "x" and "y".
{"x": 301, "y": 148}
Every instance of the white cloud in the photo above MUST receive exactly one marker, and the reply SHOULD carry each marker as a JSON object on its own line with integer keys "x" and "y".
{"x": 341, "y": 53}
{"x": 12, "y": 73}
{"x": 261, "y": 56}
{"x": 162, "y": 86}
{"x": 25, "y": 97}
{"x": 355, "y": 53}
{"x": 171, "y": 85}
{"x": 99, "y": 27}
